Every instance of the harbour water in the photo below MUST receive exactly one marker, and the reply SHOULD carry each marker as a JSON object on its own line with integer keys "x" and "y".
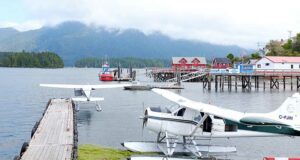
{"x": 22, "y": 102}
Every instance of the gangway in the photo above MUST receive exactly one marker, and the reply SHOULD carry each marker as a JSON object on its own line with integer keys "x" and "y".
{"x": 188, "y": 76}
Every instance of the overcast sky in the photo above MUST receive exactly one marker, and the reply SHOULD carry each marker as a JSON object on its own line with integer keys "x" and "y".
{"x": 237, "y": 22}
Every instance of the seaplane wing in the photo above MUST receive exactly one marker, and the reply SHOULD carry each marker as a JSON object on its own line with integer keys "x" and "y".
{"x": 246, "y": 118}
{"x": 201, "y": 107}
{"x": 83, "y": 99}
{"x": 72, "y": 86}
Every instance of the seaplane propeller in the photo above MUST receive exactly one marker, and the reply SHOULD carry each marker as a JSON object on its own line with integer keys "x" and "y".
{"x": 145, "y": 119}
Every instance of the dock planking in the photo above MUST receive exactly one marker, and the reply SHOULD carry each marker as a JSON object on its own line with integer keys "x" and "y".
{"x": 54, "y": 136}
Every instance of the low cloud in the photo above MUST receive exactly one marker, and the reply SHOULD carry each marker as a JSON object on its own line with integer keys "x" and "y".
{"x": 243, "y": 23}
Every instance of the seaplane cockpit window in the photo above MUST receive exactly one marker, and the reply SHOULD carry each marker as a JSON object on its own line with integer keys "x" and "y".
{"x": 180, "y": 112}
{"x": 197, "y": 118}
{"x": 172, "y": 108}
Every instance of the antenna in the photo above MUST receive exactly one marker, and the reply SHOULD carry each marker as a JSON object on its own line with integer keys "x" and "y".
{"x": 258, "y": 46}
{"x": 290, "y": 34}
{"x": 259, "y": 50}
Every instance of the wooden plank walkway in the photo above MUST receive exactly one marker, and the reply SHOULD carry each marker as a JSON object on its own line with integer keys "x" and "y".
{"x": 54, "y": 137}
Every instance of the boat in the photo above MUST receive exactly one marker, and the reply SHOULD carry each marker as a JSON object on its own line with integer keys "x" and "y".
{"x": 106, "y": 74}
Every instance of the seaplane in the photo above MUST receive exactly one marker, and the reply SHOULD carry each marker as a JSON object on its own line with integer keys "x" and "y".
{"x": 180, "y": 128}
{"x": 82, "y": 93}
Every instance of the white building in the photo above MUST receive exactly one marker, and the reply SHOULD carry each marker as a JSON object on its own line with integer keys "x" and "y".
{"x": 277, "y": 63}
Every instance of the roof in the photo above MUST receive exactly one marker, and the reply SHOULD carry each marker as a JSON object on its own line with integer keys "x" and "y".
{"x": 282, "y": 59}
{"x": 222, "y": 60}
{"x": 175, "y": 60}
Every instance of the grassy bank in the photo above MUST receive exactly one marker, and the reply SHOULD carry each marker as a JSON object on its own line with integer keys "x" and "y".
{"x": 92, "y": 152}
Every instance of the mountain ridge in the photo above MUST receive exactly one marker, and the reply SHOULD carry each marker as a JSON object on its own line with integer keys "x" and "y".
{"x": 75, "y": 40}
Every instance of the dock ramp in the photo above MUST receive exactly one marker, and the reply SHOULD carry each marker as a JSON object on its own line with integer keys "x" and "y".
{"x": 189, "y": 76}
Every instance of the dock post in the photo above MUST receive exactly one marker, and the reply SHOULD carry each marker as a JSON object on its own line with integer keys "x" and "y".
{"x": 229, "y": 82}
{"x": 291, "y": 82}
{"x": 264, "y": 77}
{"x": 271, "y": 80}
{"x": 204, "y": 83}
{"x": 209, "y": 82}
{"x": 243, "y": 83}
{"x": 236, "y": 82}
{"x": 220, "y": 81}
{"x": 257, "y": 82}
{"x": 223, "y": 81}
{"x": 119, "y": 71}
{"x": 298, "y": 84}
{"x": 249, "y": 82}
{"x": 283, "y": 82}
{"x": 130, "y": 70}
{"x": 178, "y": 74}
{"x": 216, "y": 82}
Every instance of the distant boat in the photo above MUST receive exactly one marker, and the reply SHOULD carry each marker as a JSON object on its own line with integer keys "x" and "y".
{"x": 106, "y": 74}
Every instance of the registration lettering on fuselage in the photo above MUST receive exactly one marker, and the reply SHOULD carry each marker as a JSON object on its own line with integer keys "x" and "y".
{"x": 286, "y": 117}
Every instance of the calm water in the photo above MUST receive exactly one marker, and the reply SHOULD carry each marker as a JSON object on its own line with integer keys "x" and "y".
{"x": 22, "y": 102}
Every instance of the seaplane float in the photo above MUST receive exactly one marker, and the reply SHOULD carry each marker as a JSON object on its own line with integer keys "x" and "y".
{"x": 181, "y": 129}
{"x": 83, "y": 92}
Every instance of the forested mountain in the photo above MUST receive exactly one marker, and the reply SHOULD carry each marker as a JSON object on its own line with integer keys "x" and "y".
{"x": 124, "y": 62}
{"x": 30, "y": 60}
{"x": 74, "y": 40}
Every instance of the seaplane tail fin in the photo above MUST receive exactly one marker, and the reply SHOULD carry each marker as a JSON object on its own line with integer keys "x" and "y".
{"x": 289, "y": 111}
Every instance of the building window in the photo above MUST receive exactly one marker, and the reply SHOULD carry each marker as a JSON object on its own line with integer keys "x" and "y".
{"x": 259, "y": 66}
{"x": 292, "y": 66}
{"x": 267, "y": 64}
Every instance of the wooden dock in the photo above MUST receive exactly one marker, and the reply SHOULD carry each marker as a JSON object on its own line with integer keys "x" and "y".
{"x": 55, "y": 137}
{"x": 270, "y": 80}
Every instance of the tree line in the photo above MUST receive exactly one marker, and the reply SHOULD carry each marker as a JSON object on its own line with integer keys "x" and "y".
{"x": 289, "y": 47}
{"x": 30, "y": 60}
{"x": 125, "y": 62}
{"x": 244, "y": 58}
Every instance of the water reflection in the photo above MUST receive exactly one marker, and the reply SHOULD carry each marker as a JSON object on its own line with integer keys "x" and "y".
{"x": 119, "y": 121}
{"x": 84, "y": 117}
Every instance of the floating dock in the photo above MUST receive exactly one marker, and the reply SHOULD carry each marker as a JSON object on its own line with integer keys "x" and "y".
{"x": 149, "y": 87}
{"x": 55, "y": 136}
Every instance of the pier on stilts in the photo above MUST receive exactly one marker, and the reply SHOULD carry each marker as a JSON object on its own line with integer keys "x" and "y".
{"x": 256, "y": 80}
{"x": 55, "y": 136}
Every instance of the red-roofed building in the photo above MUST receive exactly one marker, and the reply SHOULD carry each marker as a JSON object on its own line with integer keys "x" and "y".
{"x": 277, "y": 63}
{"x": 187, "y": 63}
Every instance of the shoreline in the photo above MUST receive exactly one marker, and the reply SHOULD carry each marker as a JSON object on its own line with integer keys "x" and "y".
{"x": 95, "y": 152}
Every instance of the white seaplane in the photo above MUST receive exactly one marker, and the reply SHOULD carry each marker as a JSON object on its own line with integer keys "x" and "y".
{"x": 83, "y": 92}
{"x": 193, "y": 121}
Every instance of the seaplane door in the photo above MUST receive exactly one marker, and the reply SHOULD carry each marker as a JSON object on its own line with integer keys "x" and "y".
{"x": 207, "y": 124}
{"x": 191, "y": 115}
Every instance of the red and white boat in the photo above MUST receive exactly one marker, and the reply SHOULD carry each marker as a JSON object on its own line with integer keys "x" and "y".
{"x": 106, "y": 74}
